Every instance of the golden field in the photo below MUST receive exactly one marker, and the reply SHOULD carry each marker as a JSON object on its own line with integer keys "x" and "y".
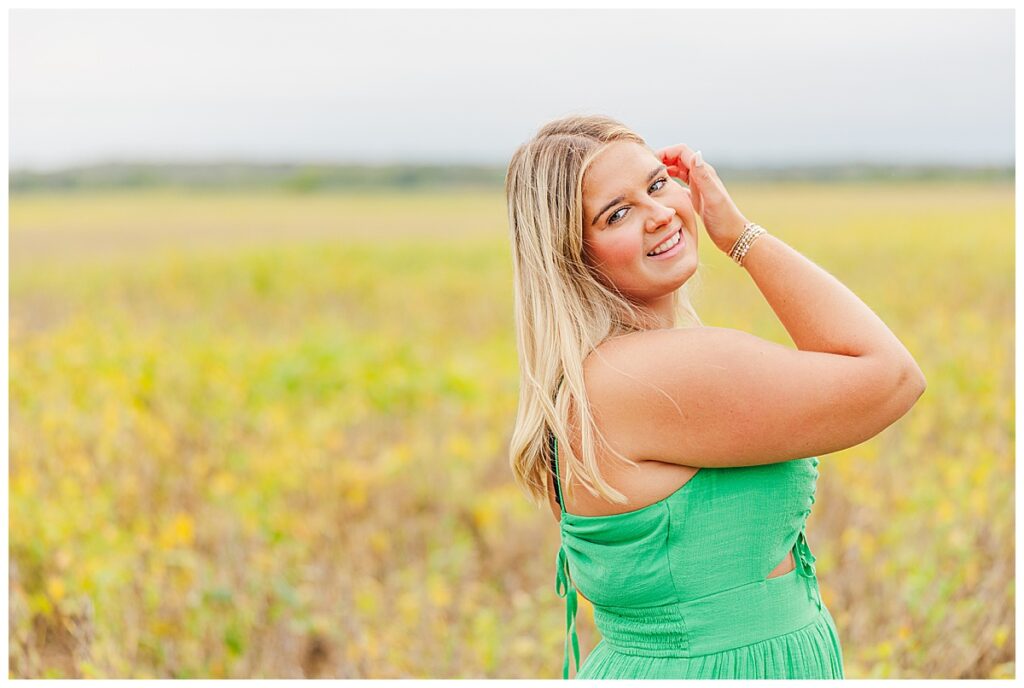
{"x": 265, "y": 435}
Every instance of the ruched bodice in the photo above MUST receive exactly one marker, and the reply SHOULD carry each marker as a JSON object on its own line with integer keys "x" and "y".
{"x": 680, "y": 587}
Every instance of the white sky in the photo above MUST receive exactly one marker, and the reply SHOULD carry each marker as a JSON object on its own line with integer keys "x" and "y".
{"x": 745, "y": 86}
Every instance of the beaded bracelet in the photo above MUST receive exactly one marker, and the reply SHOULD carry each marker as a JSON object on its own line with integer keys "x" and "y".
{"x": 751, "y": 232}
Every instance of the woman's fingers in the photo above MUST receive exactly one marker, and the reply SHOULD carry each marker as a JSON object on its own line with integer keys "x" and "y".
{"x": 678, "y": 172}
{"x": 677, "y": 155}
{"x": 673, "y": 158}
{"x": 683, "y": 163}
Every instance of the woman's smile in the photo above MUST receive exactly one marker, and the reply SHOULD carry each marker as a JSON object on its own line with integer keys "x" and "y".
{"x": 680, "y": 241}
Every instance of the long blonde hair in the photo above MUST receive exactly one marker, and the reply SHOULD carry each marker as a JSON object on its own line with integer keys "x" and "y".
{"x": 563, "y": 311}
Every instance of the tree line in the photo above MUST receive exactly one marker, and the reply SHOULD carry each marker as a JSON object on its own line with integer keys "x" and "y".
{"x": 311, "y": 178}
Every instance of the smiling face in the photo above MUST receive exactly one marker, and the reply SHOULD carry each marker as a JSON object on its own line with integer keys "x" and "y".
{"x": 630, "y": 207}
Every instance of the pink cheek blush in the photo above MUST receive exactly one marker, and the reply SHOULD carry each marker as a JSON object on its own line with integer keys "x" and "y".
{"x": 623, "y": 251}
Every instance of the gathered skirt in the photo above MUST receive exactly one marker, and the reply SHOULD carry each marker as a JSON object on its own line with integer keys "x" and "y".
{"x": 812, "y": 652}
{"x": 784, "y": 635}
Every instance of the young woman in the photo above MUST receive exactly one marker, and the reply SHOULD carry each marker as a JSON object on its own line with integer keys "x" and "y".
{"x": 689, "y": 538}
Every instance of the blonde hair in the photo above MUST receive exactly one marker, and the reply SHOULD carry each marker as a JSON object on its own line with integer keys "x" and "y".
{"x": 563, "y": 310}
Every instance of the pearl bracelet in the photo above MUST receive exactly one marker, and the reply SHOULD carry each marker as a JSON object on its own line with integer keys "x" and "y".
{"x": 750, "y": 234}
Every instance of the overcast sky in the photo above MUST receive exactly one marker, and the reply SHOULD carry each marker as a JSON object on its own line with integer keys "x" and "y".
{"x": 747, "y": 87}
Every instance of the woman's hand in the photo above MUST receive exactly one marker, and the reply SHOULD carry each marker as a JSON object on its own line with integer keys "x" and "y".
{"x": 722, "y": 219}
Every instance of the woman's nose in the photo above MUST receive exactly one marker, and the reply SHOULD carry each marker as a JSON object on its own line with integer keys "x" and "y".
{"x": 659, "y": 217}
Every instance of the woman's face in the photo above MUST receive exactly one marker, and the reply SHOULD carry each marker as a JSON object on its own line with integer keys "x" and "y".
{"x": 630, "y": 206}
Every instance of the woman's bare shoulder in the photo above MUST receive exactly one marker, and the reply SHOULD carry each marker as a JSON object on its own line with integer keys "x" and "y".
{"x": 631, "y": 385}
{"x": 614, "y": 354}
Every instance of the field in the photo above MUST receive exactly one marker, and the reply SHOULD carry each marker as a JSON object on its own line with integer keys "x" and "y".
{"x": 265, "y": 435}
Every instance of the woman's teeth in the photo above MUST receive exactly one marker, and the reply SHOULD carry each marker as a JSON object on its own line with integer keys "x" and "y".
{"x": 666, "y": 245}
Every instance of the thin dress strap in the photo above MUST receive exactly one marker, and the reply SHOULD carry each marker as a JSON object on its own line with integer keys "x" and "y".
{"x": 563, "y": 585}
{"x": 554, "y": 464}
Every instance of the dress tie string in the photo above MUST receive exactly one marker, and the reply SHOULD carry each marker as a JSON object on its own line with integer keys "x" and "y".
{"x": 805, "y": 566}
{"x": 564, "y": 588}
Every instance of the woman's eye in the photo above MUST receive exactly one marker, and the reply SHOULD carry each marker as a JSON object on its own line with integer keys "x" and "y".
{"x": 615, "y": 217}
{"x": 612, "y": 218}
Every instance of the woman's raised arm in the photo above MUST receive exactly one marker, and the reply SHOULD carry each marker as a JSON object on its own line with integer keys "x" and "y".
{"x": 721, "y": 397}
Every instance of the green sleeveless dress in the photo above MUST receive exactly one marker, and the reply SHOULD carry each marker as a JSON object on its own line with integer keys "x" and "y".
{"x": 679, "y": 588}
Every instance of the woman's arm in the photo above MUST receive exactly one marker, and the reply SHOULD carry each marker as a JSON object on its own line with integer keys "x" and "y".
{"x": 721, "y": 397}
{"x": 821, "y": 313}
{"x": 818, "y": 311}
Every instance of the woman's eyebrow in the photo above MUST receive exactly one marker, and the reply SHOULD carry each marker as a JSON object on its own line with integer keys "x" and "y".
{"x": 618, "y": 199}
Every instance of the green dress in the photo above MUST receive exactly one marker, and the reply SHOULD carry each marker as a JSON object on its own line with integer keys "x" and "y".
{"x": 680, "y": 588}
